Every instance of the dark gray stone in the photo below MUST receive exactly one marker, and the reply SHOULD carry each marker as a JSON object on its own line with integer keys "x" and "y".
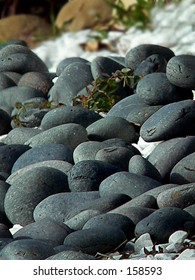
{"x": 163, "y": 222}
{"x": 63, "y": 207}
{"x": 20, "y": 59}
{"x": 175, "y": 149}
{"x": 181, "y": 71}
{"x": 136, "y": 214}
{"x": 184, "y": 171}
{"x": 71, "y": 255}
{"x": 69, "y": 114}
{"x": 79, "y": 220}
{"x": 20, "y": 135}
{"x": 5, "y": 81}
{"x": 5, "y": 122}
{"x": 63, "y": 166}
{"x": 9, "y": 154}
{"x": 141, "y": 166}
{"x": 153, "y": 63}
{"x": 67, "y": 61}
{"x": 46, "y": 230}
{"x": 87, "y": 175}
{"x": 26, "y": 249}
{"x": 59, "y": 206}
{"x": 36, "y": 80}
{"x": 42, "y": 153}
{"x": 115, "y": 220}
{"x": 139, "y": 113}
{"x": 155, "y": 89}
{"x": 70, "y": 134}
{"x": 96, "y": 240}
{"x": 118, "y": 156}
{"x": 124, "y": 106}
{"x": 14, "y": 76}
{"x": 127, "y": 183}
{"x": 30, "y": 189}
{"x": 102, "y": 67}
{"x": 111, "y": 127}
{"x": 74, "y": 78}
{"x": 3, "y": 190}
{"x": 139, "y": 53}
{"x": 179, "y": 196}
{"x": 170, "y": 121}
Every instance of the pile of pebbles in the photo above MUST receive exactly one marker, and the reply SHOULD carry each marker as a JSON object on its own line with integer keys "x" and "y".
{"x": 78, "y": 182}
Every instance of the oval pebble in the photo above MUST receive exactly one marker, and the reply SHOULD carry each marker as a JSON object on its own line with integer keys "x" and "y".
{"x": 21, "y": 59}
{"x": 118, "y": 156}
{"x": 111, "y": 127}
{"x": 127, "y": 183}
{"x": 87, "y": 175}
{"x": 181, "y": 71}
{"x": 42, "y": 153}
{"x": 36, "y": 80}
{"x": 180, "y": 196}
{"x": 184, "y": 171}
{"x": 20, "y": 135}
{"x": 165, "y": 221}
{"x": 96, "y": 240}
{"x": 139, "y": 53}
{"x": 74, "y": 78}
{"x": 70, "y": 134}
{"x": 172, "y": 120}
{"x": 69, "y": 114}
{"x": 46, "y": 230}
{"x": 67, "y": 61}
{"x": 176, "y": 148}
{"x": 26, "y": 249}
{"x": 58, "y": 206}
{"x": 156, "y": 89}
{"x": 30, "y": 189}
{"x": 115, "y": 220}
{"x": 141, "y": 166}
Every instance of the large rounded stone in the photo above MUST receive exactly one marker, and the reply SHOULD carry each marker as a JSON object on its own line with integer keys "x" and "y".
{"x": 176, "y": 148}
{"x": 180, "y": 196}
{"x": 139, "y": 53}
{"x": 30, "y": 189}
{"x": 117, "y": 221}
{"x": 18, "y": 58}
{"x": 155, "y": 89}
{"x": 163, "y": 222}
{"x": 141, "y": 166}
{"x": 20, "y": 135}
{"x": 96, "y": 240}
{"x": 170, "y": 121}
{"x": 69, "y": 114}
{"x": 60, "y": 205}
{"x": 111, "y": 127}
{"x": 67, "y": 61}
{"x": 74, "y": 78}
{"x": 184, "y": 171}
{"x": 26, "y": 249}
{"x": 127, "y": 183}
{"x": 70, "y": 134}
{"x": 46, "y": 230}
{"x": 87, "y": 175}
{"x": 42, "y": 153}
{"x": 181, "y": 71}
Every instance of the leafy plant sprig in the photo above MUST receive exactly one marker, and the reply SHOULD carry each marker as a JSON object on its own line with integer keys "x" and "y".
{"x": 105, "y": 90}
